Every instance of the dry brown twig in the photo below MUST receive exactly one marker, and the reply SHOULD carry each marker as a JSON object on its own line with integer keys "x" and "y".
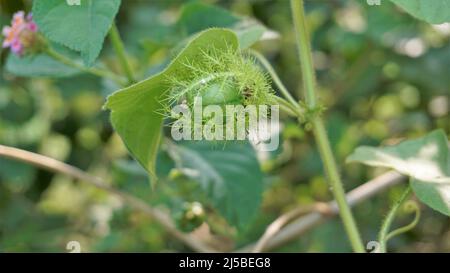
{"x": 56, "y": 166}
{"x": 316, "y": 217}
{"x": 284, "y": 219}
{"x": 285, "y": 228}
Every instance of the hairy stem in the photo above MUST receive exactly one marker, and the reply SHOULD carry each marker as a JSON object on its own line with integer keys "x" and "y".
{"x": 329, "y": 162}
{"x": 286, "y": 106}
{"x": 276, "y": 79}
{"x": 408, "y": 227}
{"x": 119, "y": 48}
{"x": 384, "y": 234}
{"x": 91, "y": 70}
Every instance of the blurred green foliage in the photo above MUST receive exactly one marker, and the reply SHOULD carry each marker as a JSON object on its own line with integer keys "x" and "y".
{"x": 383, "y": 76}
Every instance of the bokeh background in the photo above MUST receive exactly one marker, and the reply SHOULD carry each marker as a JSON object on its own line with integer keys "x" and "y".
{"x": 383, "y": 75}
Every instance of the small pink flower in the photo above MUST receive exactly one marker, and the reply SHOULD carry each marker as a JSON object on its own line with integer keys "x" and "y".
{"x": 6, "y": 31}
{"x": 21, "y": 35}
{"x": 19, "y": 17}
{"x": 17, "y": 47}
{"x": 32, "y": 26}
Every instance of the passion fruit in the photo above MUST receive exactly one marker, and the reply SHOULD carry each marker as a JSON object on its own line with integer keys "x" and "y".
{"x": 219, "y": 93}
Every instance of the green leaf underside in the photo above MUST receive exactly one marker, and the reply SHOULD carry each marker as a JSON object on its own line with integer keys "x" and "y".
{"x": 229, "y": 173}
{"x": 431, "y": 11}
{"x": 81, "y": 27}
{"x": 41, "y": 65}
{"x": 136, "y": 111}
{"x": 38, "y": 66}
{"x": 426, "y": 160}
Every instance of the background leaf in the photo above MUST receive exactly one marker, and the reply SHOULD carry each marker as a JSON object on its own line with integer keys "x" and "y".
{"x": 41, "y": 65}
{"x": 197, "y": 16}
{"x": 432, "y": 11}
{"x": 136, "y": 111}
{"x": 228, "y": 172}
{"x": 80, "y": 27}
{"x": 426, "y": 160}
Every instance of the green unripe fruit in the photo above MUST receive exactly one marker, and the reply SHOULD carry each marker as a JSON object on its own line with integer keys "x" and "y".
{"x": 219, "y": 77}
{"x": 219, "y": 94}
{"x": 191, "y": 216}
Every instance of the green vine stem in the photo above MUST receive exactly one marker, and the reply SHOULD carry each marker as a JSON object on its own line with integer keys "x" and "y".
{"x": 94, "y": 71}
{"x": 329, "y": 162}
{"x": 276, "y": 79}
{"x": 285, "y": 106}
{"x": 384, "y": 234}
{"x": 410, "y": 206}
{"x": 119, "y": 48}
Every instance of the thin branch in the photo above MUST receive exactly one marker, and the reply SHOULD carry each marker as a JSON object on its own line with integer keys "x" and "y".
{"x": 56, "y": 166}
{"x": 280, "y": 222}
{"x": 303, "y": 224}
